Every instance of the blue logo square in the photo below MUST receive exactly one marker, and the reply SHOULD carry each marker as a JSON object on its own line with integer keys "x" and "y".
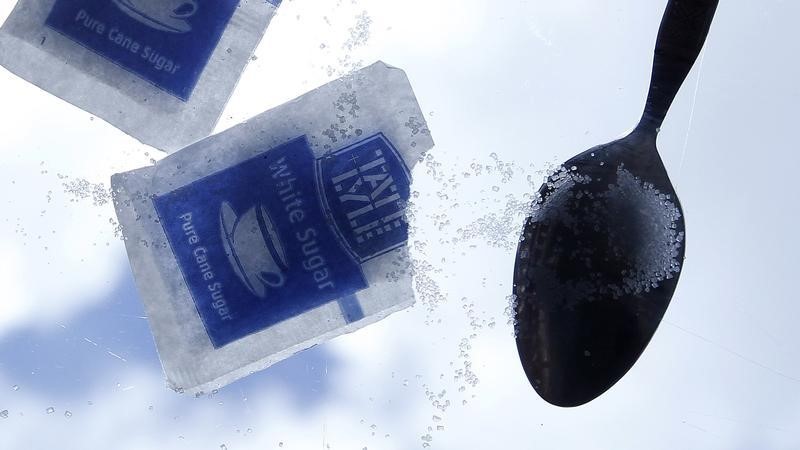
{"x": 255, "y": 246}
{"x": 166, "y": 42}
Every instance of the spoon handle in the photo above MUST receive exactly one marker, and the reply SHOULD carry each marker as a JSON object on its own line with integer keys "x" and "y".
{"x": 680, "y": 38}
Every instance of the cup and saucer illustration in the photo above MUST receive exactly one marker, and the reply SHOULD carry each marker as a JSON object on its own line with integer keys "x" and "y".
{"x": 164, "y": 15}
{"x": 254, "y": 248}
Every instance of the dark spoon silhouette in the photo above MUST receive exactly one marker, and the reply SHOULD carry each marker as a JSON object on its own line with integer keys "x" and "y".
{"x": 603, "y": 247}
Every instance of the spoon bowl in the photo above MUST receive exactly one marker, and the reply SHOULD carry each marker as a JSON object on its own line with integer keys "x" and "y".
{"x": 599, "y": 261}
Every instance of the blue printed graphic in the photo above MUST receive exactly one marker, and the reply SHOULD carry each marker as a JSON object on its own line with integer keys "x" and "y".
{"x": 166, "y": 42}
{"x": 255, "y": 246}
{"x": 366, "y": 188}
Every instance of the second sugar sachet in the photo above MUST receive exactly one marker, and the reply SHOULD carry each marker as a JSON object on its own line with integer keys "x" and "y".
{"x": 159, "y": 70}
{"x": 279, "y": 233}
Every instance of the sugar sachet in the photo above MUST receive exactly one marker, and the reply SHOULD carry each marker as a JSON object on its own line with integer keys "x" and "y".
{"x": 279, "y": 233}
{"x": 159, "y": 70}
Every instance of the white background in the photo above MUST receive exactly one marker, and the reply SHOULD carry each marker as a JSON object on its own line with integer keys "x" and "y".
{"x": 509, "y": 88}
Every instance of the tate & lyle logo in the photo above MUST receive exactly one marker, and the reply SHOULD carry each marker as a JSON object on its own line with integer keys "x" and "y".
{"x": 366, "y": 190}
{"x": 164, "y": 15}
{"x": 253, "y": 248}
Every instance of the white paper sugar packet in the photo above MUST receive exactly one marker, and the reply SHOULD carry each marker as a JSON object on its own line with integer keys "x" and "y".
{"x": 278, "y": 234}
{"x": 159, "y": 70}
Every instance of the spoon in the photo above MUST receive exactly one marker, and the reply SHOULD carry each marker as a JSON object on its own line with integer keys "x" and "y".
{"x": 602, "y": 250}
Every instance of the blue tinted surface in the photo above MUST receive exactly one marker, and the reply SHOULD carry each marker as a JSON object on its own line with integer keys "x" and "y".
{"x": 254, "y": 245}
{"x": 166, "y": 42}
